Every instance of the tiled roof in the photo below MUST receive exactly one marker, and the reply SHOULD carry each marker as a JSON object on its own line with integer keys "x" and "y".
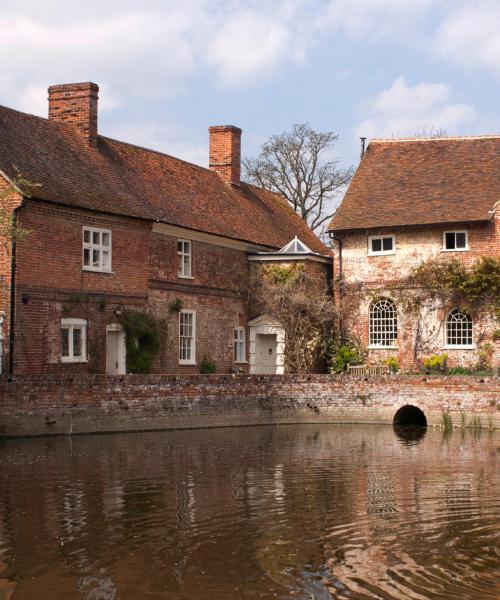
{"x": 124, "y": 179}
{"x": 419, "y": 182}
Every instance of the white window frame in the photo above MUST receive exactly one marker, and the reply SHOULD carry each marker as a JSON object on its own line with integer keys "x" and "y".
{"x": 71, "y": 325}
{"x": 239, "y": 345}
{"x": 90, "y": 246}
{"x": 184, "y": 273}
{"x": 455, "y": 231}
{"x": 447, "y": 345}
{"x": 192, "y": 359}
{"x": 381, "y": 252}
{"x": 384, "y": 329}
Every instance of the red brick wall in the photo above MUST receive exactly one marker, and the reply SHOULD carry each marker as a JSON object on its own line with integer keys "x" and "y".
{"x": 76, "y": 104}
{"x": 368, "y": 276}
{"x": 225, "y": 152}
{"x": 79, "y": 404}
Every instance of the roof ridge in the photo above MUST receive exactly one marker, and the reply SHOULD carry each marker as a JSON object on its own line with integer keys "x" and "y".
{"x": 437, "y": 139}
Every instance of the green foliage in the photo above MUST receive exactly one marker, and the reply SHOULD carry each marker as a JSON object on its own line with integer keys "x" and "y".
{"x": 207, "y": 367}
{"x": 175, "y": 306}
{"x": 143, "y": 340}
{"x": 346, "y": 355}
{"x": 484, "y": 357}
{"x": 393, "y": 364}
{"x": 496, "y": 335}
{"x": 436, "y": 362}
{"x": 284, "y": 274}
{"x": 471, "y": 288}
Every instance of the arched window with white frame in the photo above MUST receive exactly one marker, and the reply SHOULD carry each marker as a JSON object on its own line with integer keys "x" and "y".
{"x": 383, "y": 324}
{"x": 459, "y": 330}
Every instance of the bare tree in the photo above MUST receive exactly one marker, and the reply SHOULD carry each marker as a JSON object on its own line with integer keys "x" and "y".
{"x": 296, "y": 164}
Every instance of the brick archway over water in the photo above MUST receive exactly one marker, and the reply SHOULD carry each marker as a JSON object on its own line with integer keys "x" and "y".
{"x": 410, "y": 415}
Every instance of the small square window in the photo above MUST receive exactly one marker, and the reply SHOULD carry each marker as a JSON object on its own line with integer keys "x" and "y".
{"x": 96, "y": 250}
{"x": 383, "y": 244}
{"x": 73, "y": 340}
{"x": 455, "y": 240}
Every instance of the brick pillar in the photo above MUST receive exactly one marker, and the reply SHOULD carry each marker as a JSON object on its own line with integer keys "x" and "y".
{"x": 76, "y": 103}
{"x": 225, "y": 152}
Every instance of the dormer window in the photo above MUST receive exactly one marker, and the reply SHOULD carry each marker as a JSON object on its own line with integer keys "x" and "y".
{"x": 295, "y": 246}
{"x": 381, "y": 244}
{"x": 455, "y": 241}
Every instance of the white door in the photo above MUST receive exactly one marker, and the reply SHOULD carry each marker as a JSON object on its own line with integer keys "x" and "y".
{"x": 266, "y": 346}
{"x": 115, "y": 350}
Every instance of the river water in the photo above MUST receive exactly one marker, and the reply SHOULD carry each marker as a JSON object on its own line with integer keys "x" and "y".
{"x": 254, "y": 512}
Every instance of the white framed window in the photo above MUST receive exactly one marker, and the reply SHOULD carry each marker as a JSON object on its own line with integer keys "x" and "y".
{"x": 381, "y": 244}
{"x": 239, "y": 345}
{"x": 187, "y": 337}
{"x": 455, "y": 241}
{"x": 96, "y": 249}
{"x": 459, "y": 330}
{"x": 73, "y": 340}
{"x": 184, "y": 250}
{"x": 383, "y": 324}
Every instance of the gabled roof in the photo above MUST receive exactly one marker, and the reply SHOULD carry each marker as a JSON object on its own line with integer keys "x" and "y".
{"x": 422, "y": 182}
{"x": 124, "y": 179}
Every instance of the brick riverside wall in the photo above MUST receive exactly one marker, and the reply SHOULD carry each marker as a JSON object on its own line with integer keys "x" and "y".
{"x": 46, "y": 405}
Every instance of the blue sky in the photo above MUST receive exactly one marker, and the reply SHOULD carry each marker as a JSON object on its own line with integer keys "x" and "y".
{"x": 167, "y": 70}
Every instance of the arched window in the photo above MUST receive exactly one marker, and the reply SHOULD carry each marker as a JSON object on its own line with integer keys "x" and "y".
{"x": 383, "y": 323}
{"x": 458, "y": 329}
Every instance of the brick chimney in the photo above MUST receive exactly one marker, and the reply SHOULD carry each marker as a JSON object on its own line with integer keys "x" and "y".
{"x": 225, "y": 152}
{"x": 76, "y": 103}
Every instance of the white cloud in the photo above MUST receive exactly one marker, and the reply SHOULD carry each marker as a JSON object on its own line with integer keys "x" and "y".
{"x": 402, "y": 109}
{"x": 470, "y": 36}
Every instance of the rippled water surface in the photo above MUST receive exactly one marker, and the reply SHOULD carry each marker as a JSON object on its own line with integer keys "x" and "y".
{"x": 264, "y": 512}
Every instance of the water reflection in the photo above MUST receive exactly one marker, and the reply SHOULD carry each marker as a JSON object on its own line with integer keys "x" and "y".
{"x": 268, "y": 512}
{"x": 410, "y": 434}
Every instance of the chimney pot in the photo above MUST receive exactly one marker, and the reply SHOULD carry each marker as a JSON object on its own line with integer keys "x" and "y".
{"x": 225, "y": 152}
{"x": 76, "y": 103}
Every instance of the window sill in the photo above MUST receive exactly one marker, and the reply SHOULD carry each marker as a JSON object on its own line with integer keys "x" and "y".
{"x": 73, "y": 360}
{"x": 392, "y": 253}
{"x": 383, "y": 348}
{"x": 241, "y": 362}
{"x": 185, "y": 276}
{"x": 89, "y": 270}
{"x": 473, "y": 347}
{"x": 187, "y": 363}
{"x": 454, "y": 249}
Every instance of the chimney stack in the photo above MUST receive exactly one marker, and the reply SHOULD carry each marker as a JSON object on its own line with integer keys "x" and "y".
{"x": 76, "y": 103}
{"x": 225, "y": 152}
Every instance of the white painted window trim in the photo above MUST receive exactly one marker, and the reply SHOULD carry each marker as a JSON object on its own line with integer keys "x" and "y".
{"x": 71, "y": 325}
{"x": 384, "y": 328}
{"x": 455, "y": 231}
{"x": 447, "y": 346}
{"x": 381, "y": 252}
{"x": 91, "y": 246}
{"x": 192, "y": 360}
{"x": 242, "y": 341}
{"x": 181, "y": 273}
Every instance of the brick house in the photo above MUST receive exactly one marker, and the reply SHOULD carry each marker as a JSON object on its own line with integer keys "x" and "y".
{"x": 409, "y": 202}
{"x": 113, "y": 227}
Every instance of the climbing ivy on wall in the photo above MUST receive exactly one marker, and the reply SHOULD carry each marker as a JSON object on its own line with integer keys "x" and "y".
{"x": 143, "y": 334}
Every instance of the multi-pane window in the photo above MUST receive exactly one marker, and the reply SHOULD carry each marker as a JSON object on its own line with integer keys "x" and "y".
{"x": 73, "y": 340}
{"x": 239, "y": 345}
{"x": 455, "y": 240}
{"x": 184, "y": 252}
{"x": 187, "y": 337}
{"x": 383, "y": 324}
{"x": 381, "y": 244}
{"x": 96, "y": 249}
{"x": 459, "y": 329}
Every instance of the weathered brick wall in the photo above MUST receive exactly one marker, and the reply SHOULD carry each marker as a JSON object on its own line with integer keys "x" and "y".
{"x": 32, "y": 405}
{"x": 366, "y": 277}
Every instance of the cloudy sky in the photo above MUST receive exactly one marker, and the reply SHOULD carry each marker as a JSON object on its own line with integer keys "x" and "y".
{"x": 168, "y": 69}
